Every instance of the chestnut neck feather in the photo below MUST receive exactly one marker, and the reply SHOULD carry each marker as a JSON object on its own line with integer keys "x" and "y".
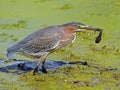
{"x": 68, "y": 29}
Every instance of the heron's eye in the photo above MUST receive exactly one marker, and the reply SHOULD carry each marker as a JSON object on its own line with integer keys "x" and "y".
{"x": 79, "y": 27}
{"x": 75, "y": 25}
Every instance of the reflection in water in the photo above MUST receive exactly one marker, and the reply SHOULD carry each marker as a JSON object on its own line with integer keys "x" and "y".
{"x": 19, "y": 66}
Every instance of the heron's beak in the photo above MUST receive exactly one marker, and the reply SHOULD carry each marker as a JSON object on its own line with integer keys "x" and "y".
{"x": 83, "y": 28}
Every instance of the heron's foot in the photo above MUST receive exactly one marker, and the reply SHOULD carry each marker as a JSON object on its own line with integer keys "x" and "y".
{"x": 44, "y": 69}
{"x": 35, "y": 70}
{"x": 84, "y": 63}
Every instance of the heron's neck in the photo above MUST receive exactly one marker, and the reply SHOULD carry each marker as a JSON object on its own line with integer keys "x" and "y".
{"x": 68, "y": 29}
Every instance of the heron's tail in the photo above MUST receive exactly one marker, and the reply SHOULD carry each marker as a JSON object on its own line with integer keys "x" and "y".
{"x": 13, "y": 50}
{"x": 10, "y": 55}
{"x": 10, "y": 52}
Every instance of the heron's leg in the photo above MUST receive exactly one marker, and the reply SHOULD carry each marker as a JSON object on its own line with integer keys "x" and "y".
{"x": 35, "y": 70}
{"x": 44, "y": 67}
{"x": 41, "y": 60}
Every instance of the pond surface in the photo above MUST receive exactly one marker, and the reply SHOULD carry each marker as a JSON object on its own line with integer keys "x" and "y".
{"x": 19, "y": 18}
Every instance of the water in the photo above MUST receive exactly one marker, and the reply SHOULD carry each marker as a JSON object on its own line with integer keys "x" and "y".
{"x": 20, "y": 18}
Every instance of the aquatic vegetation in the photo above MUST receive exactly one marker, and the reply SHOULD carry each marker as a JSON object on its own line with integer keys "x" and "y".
{"x": 65, "y": 7}
{"x": 19, "y": 24}
{"x": 102, "y": 71}
{"x": 6, "y": 37}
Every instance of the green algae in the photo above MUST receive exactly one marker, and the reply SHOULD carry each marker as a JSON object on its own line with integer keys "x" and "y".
{"x": 19, "y": 24}
{"x": 73, "y": 78}
{"x": 20, "y": 18}
{"x": 65, "y": 7}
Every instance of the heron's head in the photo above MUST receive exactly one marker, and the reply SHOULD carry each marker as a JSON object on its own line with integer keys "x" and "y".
{"x": 77, "y": 27}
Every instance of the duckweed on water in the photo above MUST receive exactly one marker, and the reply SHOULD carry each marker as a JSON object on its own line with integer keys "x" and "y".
{"x": 6, "y": 37}
{"x": 65, "y": 7}
{"x": 72, "y": 77}
{"x": 103, "y": 69}
{"x": 18, "y": 25}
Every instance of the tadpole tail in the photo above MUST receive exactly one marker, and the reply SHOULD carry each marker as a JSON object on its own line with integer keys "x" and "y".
{"x": 99, "y": 37}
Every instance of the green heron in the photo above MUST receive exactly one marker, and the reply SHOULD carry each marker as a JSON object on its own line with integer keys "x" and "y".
{"x": 44, "y": 41}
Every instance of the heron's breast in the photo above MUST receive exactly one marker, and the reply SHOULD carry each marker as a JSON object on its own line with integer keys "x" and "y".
{"x": 66, "y": 40}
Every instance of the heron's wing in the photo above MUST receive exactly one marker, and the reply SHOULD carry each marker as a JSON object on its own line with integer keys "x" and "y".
{"x": 43, "y": 40}
{"x": 39, "y": 44}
